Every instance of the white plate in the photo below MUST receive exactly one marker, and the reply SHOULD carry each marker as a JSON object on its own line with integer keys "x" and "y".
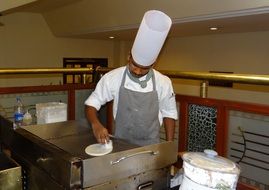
{"x": 99, "y": 149}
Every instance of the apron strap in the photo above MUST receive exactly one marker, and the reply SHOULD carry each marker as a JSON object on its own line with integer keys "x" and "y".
{"x": 123, "y": 78}
{"x": 153, "y": 81}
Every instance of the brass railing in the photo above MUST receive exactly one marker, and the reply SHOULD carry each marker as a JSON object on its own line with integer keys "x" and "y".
{"x": 204, "y": 76}
{"x": 238, "y": 78}
{"x": 44, "y": 70}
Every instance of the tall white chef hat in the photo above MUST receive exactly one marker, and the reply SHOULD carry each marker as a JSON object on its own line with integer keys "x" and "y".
{"x": 150, "y": 37}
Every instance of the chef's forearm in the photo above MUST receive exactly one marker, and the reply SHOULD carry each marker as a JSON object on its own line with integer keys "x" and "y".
{"x": 99, "y": 131}
{"x": 169, "y": 125}
{"x": 91, "y": 114}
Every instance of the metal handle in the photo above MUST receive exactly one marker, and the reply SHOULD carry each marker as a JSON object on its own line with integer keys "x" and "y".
{"x": 145, "y": 186}
{"x": 135, "y": 154}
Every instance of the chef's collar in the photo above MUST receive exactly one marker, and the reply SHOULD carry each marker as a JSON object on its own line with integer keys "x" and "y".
{"x": 142, "y": 83}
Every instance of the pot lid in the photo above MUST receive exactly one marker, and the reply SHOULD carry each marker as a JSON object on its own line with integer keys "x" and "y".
{"x": 209, "y": 160}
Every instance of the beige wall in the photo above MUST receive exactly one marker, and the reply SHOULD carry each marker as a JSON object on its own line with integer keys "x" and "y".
{"x": 244, "y": 53}
{"x": 239, "y": 53}
{"x": 26, "y": 41}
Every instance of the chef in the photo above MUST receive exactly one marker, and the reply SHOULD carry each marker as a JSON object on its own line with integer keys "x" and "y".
{"x": 143, "y": 98}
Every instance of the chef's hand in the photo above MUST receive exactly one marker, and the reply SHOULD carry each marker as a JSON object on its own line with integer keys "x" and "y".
{"x": 100, "y": 133}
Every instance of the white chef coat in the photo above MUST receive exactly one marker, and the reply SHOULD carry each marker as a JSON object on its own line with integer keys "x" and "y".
{"x": 107, "y": 89}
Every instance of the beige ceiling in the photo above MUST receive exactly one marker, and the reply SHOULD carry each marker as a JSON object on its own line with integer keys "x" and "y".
{"x": 189, "y": 26}
{"x": 241, "y": 24}
{"x": 40, "y": 6}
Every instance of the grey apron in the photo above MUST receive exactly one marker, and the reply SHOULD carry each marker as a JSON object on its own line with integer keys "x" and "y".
{"x": 137, "y": 115}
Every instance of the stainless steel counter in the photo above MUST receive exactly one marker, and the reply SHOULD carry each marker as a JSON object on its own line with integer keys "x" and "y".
{"x": 72, "y": 137}
{"x": 53, "y": 155}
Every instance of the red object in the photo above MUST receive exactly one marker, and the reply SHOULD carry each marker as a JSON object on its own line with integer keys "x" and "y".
{"x": 243, "y": 186}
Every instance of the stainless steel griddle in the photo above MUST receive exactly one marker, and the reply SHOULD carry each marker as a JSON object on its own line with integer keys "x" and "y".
{"x": 53, "y": 156}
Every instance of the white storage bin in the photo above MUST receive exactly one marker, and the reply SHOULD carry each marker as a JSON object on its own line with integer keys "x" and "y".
{"x": 51, "y": 112}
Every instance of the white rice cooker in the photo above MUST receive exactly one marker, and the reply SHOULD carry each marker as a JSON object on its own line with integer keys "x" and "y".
{"x": 208, "y": 171}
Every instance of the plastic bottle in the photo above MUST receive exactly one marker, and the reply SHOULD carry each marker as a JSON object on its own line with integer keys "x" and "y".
{"x": 27, "y": 118}
{"x": 18, "y": 113}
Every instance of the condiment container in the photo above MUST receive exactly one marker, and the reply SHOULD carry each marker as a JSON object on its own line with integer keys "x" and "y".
{"x": 206, "y": 170}
{"x": 27, "y": 118}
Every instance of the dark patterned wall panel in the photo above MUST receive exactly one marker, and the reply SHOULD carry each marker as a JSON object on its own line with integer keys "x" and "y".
{"x": 201, "y": 128}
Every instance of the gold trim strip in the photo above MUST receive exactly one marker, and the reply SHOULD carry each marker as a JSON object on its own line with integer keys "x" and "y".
{"x": 238, "y": 78}
{"x": 44, "y": 70}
